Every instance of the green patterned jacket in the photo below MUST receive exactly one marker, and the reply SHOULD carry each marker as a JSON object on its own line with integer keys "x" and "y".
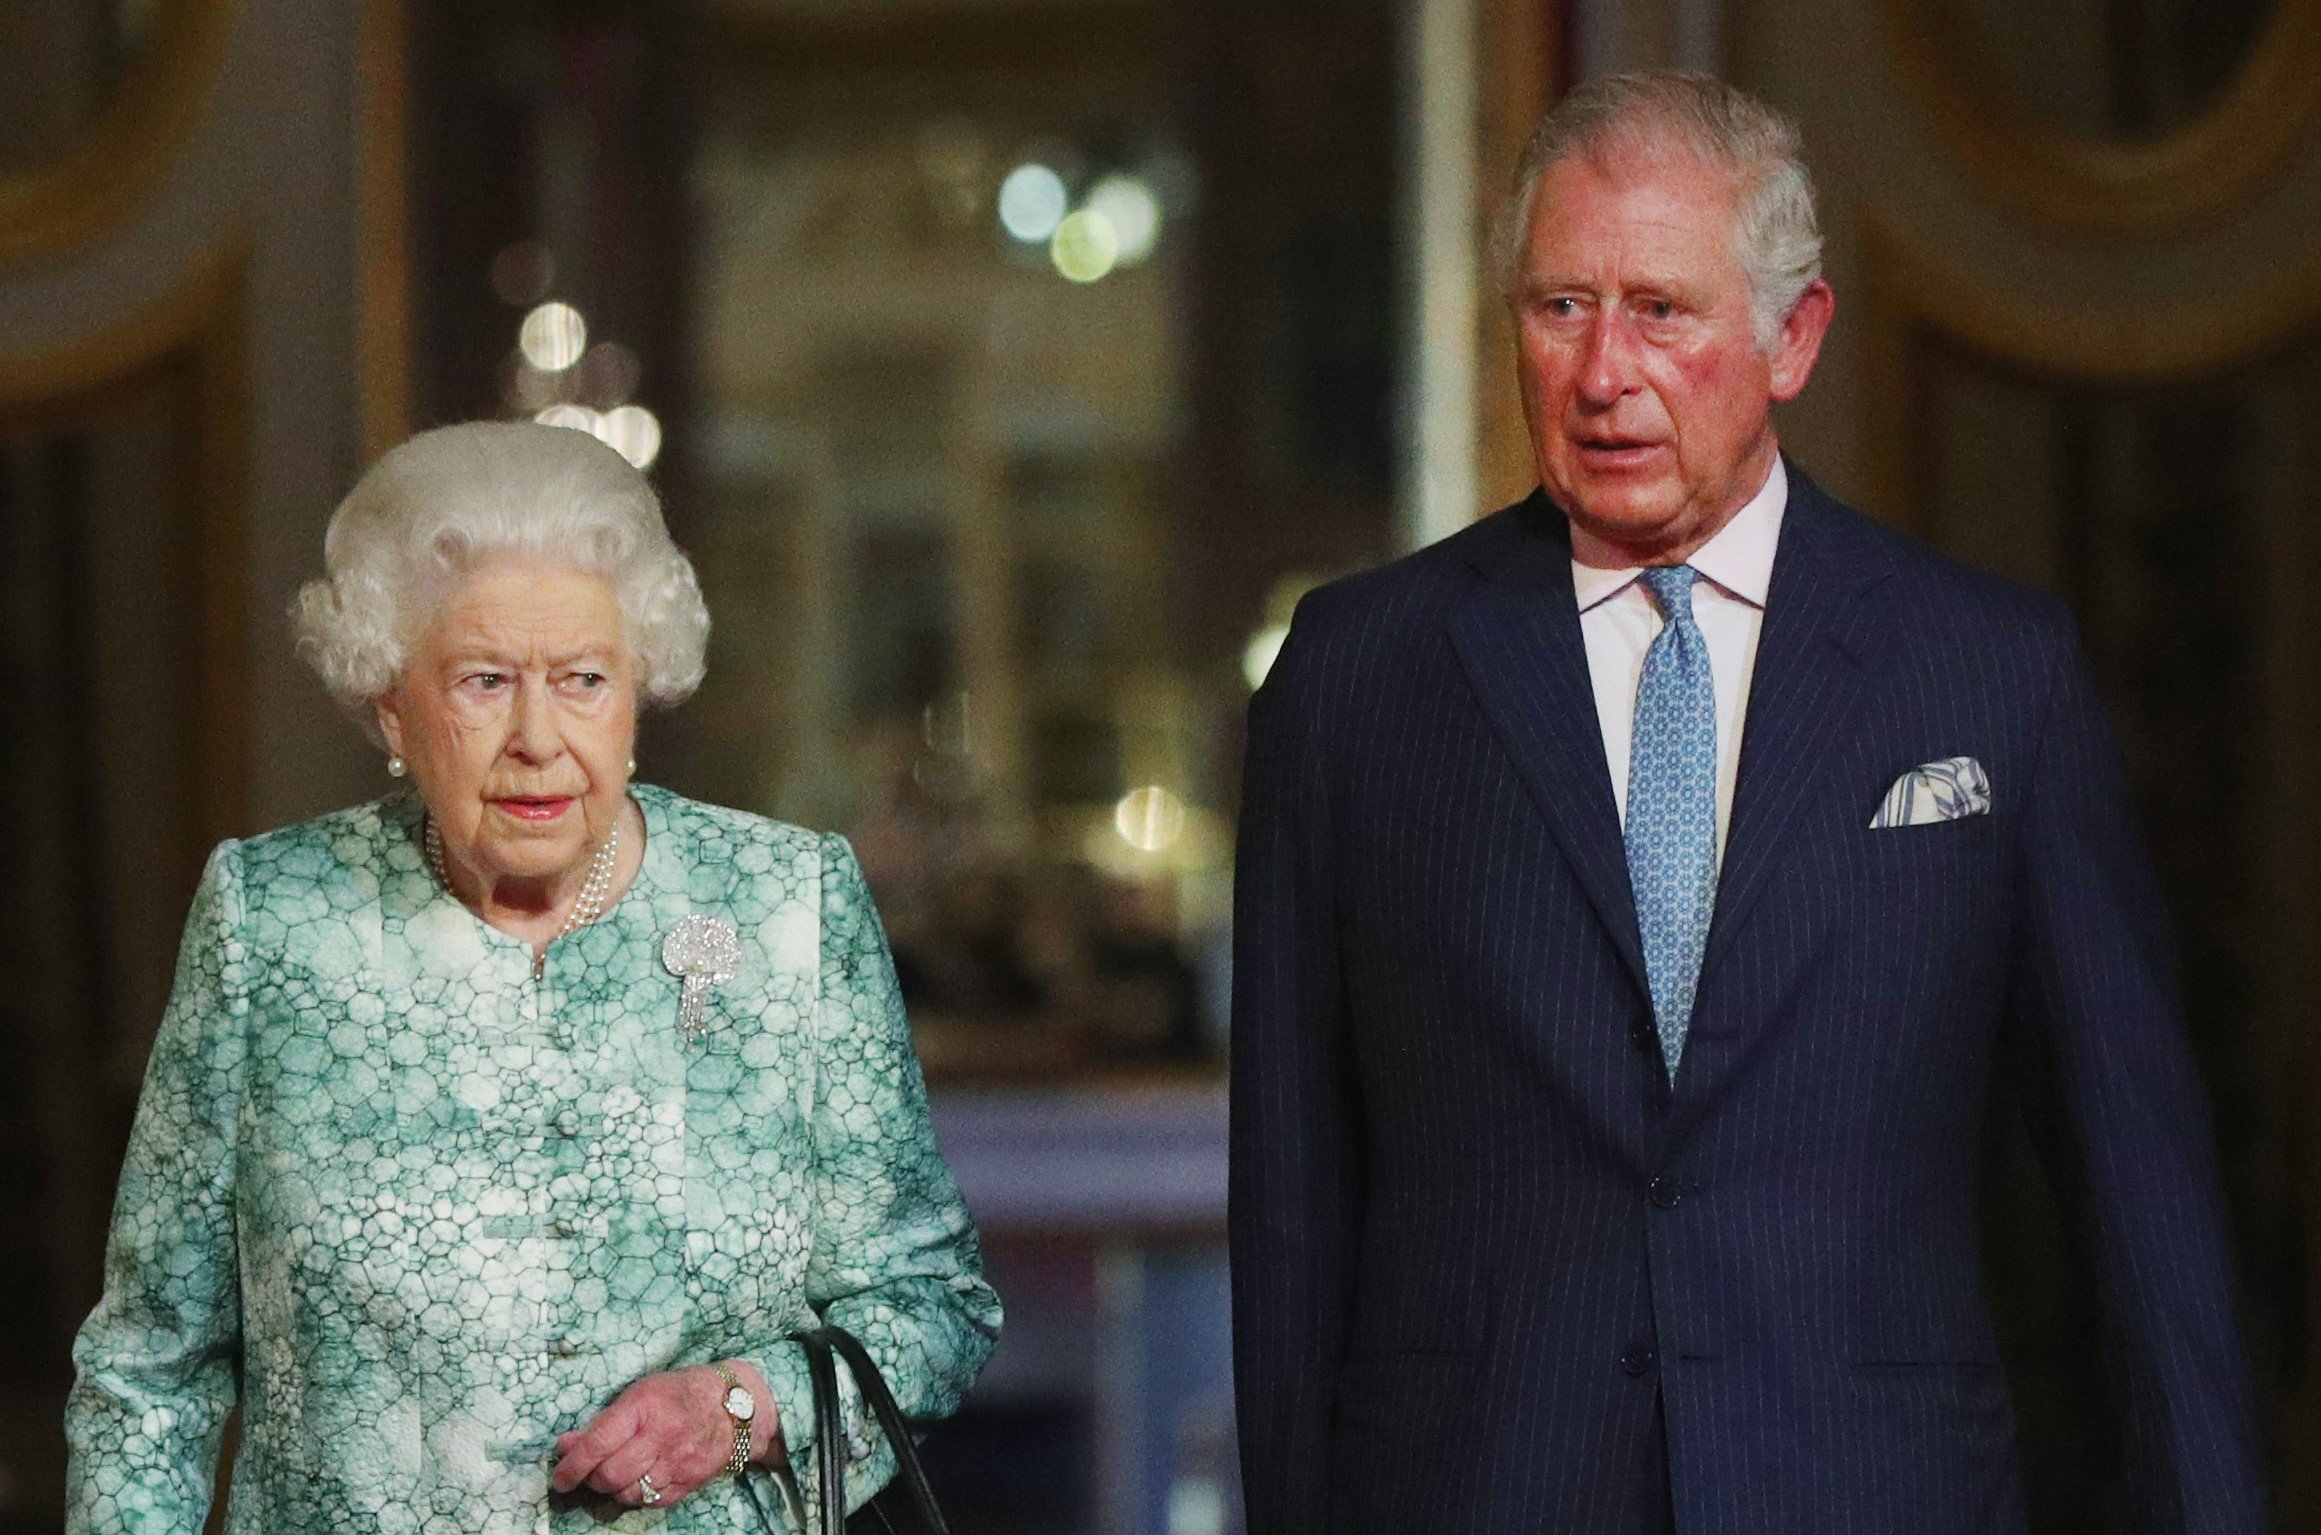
{"x": 421, "y": 1211}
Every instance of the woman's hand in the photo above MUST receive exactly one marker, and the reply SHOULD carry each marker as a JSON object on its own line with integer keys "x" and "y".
{"x": 671, "y": 1428}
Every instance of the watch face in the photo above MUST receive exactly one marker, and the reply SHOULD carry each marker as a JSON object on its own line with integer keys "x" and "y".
{"x": 740, "y": 1404}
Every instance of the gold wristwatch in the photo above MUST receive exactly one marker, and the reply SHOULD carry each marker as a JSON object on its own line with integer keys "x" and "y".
{"x": 743, "y": 1409}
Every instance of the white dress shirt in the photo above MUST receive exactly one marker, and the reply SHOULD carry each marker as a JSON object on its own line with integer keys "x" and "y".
{"x": 1618, "y": 621}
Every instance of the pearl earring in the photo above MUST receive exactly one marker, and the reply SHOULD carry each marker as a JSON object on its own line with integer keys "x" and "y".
{"x": 395, "y": 768}
{"x": 632, "y": 767}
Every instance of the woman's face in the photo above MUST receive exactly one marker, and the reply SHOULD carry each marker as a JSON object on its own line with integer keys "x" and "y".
{"x": 517, "y": 714}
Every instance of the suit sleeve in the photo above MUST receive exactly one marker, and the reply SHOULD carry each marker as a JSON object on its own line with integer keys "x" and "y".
{"x": 2129, "y": 1133}
{"x": 159, "y": 1360}
{"x": 1296, "y": 1143}
{"x": 895, "y": 1259}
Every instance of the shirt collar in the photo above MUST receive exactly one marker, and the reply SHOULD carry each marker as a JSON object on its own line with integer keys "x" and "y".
{"x": 1739, "y": 559}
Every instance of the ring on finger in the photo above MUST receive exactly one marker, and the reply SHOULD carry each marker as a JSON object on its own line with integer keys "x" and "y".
{"x": 647, "y": 1493}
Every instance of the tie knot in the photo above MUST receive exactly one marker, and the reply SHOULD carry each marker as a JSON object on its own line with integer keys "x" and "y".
{"x": 1671, "y": 587}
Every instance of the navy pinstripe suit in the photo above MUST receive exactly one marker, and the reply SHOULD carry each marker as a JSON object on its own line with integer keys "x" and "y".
{"x": 1492, "y": 1273}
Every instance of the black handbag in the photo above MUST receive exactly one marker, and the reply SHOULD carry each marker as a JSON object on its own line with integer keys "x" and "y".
{"x": 907, "y": 1505}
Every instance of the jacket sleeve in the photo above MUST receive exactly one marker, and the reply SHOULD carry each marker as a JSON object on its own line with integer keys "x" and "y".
{"x": 158, "y": 1361}
{"x": 1296, "y": 1144}
{"x": 894, "y": 1257}
{"x": 2127, "y": 1130}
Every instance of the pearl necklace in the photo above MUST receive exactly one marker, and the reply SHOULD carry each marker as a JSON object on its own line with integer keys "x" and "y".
{"x": 595, "y": 889}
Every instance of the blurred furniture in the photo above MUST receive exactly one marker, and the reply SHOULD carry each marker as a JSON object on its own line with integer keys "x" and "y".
{"x": 1103, "y": 1216}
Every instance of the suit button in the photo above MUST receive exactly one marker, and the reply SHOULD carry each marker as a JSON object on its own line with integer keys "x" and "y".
{"x": 1637, "y": 1358}
{"x": 1665, "y": 1191}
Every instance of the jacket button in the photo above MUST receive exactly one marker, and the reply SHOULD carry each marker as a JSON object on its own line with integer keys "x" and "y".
{"x": 1637, "y": 1358}
{"x": 1665, "y": 1191}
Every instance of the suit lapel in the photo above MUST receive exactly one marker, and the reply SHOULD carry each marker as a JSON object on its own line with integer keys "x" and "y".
{"x": 1518, "y": 637}
{"x": 1815, "y": 658}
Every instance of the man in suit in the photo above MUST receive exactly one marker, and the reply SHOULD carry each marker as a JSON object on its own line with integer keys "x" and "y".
{"x": 1637, "y": 893}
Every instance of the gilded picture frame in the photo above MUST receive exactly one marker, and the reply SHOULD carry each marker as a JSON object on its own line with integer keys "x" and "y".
{"x": 1911, "y": 292}
{"x": 48, "y": 213}
{"x": 2119, "y": 189}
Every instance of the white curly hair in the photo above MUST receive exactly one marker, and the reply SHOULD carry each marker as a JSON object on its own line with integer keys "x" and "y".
{"x": 1777, "y": 232}
{"x": 455, "y": 498}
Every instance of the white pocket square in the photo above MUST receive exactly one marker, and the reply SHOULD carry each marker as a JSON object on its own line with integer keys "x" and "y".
{"x": 1949, "y": 790}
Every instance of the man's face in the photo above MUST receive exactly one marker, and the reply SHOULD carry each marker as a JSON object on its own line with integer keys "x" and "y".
{"x": 1648, "y": 397}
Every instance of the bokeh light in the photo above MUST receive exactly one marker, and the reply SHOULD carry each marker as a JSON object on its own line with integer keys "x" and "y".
{"x": 1134, "y": 211}
{"x": 1149, "y": 819}
{"x": 1086, "y": 247}
{"x": 578, "y": 417}
{"x": 1032, "y": 203}
{"x": 553, "y": 337}
{"x": 634, "y": 431}
{"x": 630, "y": 430}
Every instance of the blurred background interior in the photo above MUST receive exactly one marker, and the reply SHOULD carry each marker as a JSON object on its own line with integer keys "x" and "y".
{"x": 1009, "y": 368}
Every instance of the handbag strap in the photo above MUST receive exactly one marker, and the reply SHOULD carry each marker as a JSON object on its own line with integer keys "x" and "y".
{"x": 873, "y": 1386}
{"x": 829, "y": 1431}
{"x": 830, "y": 1428}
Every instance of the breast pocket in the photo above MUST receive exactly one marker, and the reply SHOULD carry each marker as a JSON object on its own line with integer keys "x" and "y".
{"x": 1914, "y": 967}
{"x": 1913, "y": 885}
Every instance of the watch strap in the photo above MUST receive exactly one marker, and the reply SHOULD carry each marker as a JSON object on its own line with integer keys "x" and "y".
{"x": 738, "y": 1461}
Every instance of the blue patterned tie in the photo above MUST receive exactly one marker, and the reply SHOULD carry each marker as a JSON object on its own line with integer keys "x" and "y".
{"x": 1672, "y": 807}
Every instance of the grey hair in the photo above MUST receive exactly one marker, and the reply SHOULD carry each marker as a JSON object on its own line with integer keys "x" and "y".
{"x": 1777, "y": 233}
{"x": 455, "y": 498}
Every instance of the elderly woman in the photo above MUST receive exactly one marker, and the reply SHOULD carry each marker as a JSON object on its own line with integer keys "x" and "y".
{"x": 499, "y": 1135}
